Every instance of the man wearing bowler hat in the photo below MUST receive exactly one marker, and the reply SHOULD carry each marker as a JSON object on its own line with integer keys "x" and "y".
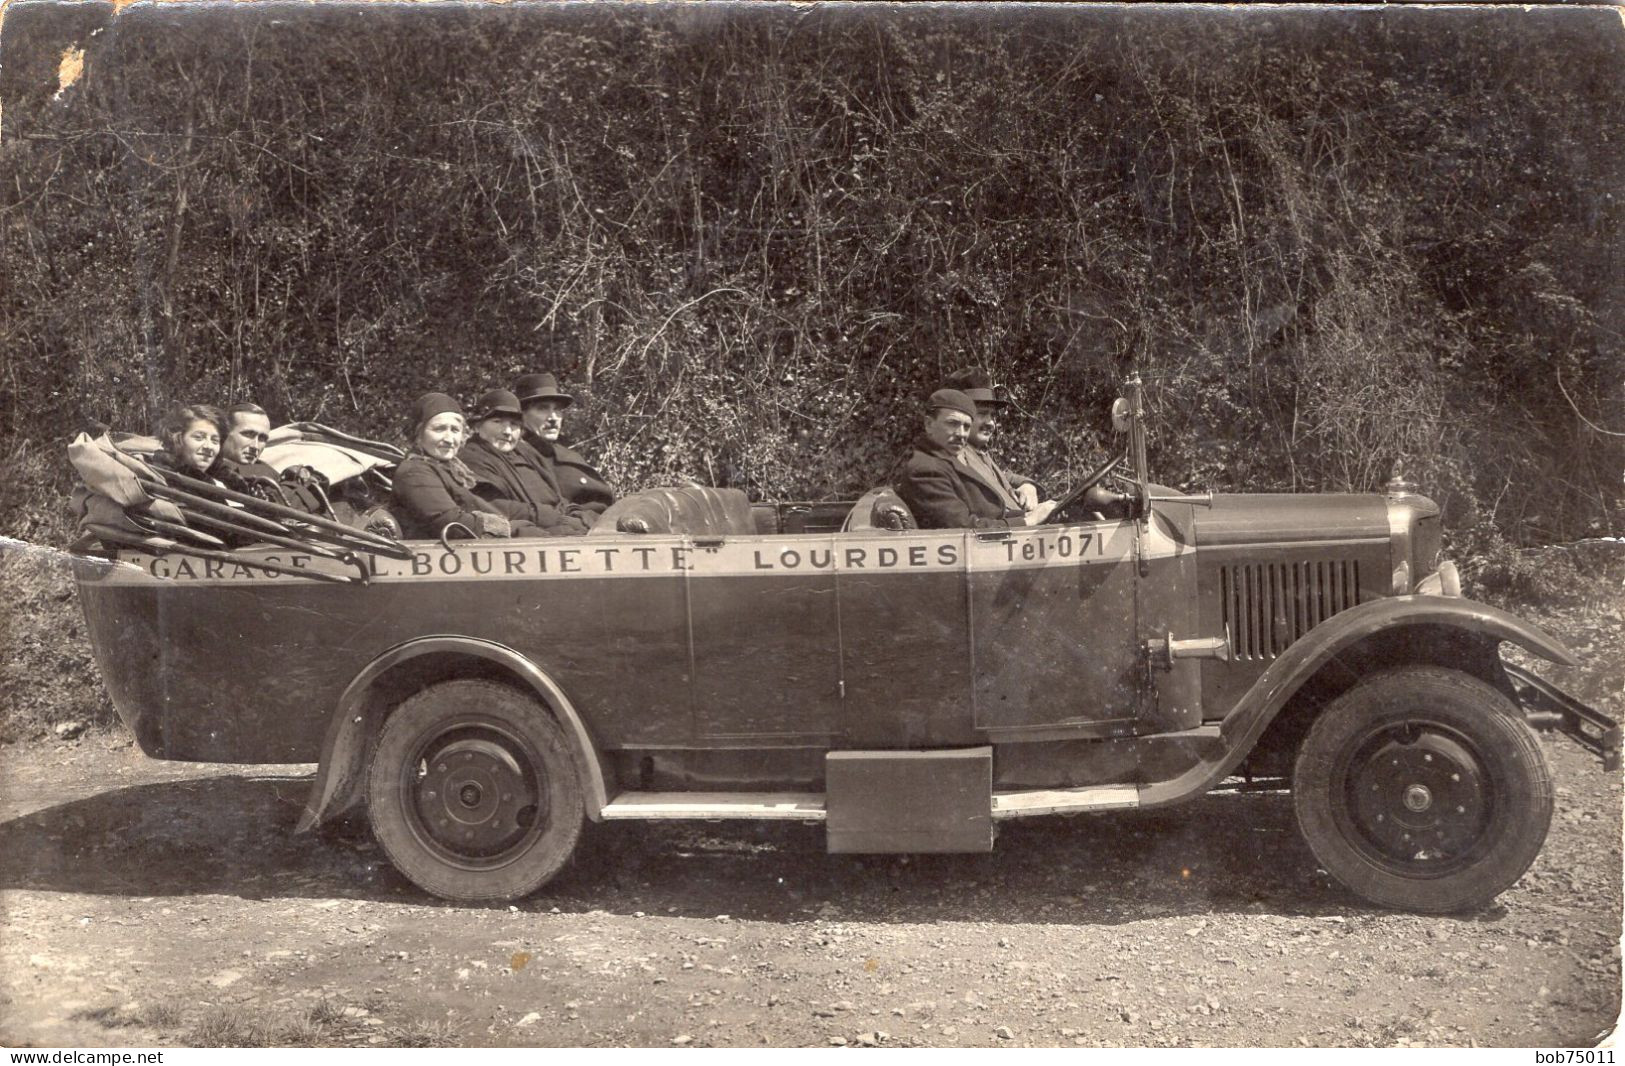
{"x": 1012, "y": 489}
{"x": 542, "y": 403}
{"x": 937, "y": 488}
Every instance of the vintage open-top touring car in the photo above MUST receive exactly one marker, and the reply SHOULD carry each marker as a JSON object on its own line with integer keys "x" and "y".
{"x": 701, "y": 656}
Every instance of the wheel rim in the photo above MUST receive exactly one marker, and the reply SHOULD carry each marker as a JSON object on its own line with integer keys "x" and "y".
{"x": 473, "y": 793}
{"x": 1419, "y": 799}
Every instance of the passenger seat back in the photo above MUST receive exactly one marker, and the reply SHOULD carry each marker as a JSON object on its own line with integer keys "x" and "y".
{"x": 880, "y": 508}
{"x": 694, "y": 510}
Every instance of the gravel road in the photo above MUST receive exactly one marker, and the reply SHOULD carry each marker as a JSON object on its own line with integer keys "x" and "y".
{"x": 170, "y": 904}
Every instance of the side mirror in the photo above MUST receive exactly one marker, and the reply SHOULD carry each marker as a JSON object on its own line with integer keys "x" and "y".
{"x": 1121, "y": 415}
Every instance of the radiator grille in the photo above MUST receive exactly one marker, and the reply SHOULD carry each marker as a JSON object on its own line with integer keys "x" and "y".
{"x": 1269, "y": 605}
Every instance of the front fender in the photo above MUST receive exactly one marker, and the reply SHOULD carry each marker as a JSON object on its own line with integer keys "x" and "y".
{"x": 357, "y": 719}
{"x": 1252, "y": 714}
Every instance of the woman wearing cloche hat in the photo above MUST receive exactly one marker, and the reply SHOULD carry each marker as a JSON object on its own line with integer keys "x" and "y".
{"x": 434, "y": 489}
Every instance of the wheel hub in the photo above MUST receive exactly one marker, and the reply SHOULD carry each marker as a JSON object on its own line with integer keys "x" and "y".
{"x": 1419, "y": 794}
{"x": 1418, "y": 798}
{"x": 473, "y": 797}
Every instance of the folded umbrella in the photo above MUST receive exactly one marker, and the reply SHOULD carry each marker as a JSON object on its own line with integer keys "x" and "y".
{"x": 253, "y": 511}
{"x": 325, "y": 551}
{"x": 276, "y": 510}
{"x": 241, "y": 521}
{"x": 175, "y": 529}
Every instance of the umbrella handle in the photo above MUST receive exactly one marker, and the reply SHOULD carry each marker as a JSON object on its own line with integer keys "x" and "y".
{"x": 446, "y": 544}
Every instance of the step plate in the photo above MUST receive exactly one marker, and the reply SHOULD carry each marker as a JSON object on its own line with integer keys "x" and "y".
{"x": 909, "y": 802}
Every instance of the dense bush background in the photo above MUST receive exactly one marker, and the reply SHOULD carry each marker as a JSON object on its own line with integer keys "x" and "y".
{"x": 751, "y": 236}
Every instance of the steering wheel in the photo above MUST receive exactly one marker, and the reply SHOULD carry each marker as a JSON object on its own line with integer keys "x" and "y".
{"x": 1094, "y": 478}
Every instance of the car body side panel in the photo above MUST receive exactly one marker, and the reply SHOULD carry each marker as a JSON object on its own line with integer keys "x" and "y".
{"x": 606, "y": 618}
{"x": 192, "y": 674}
{"x": 1053, "y": 610}
{"x": 905, "y": 640}
{"x": 620, "y": 649}
{"x": 764, "y": 622}
{"x": 236, "y": 666}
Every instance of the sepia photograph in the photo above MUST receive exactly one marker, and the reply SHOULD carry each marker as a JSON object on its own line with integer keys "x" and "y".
{"x": 770, "y": 524}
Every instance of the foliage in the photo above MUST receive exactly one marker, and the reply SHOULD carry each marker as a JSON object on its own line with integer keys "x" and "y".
{"x": 750, "y": 237}
{"x": 1587, "y": 573}
{"x": 48, "y": 674}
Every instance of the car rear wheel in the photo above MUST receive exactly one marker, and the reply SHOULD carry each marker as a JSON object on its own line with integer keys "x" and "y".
{"x": 1422, "y": 789}
{"x": 473, "y": 792}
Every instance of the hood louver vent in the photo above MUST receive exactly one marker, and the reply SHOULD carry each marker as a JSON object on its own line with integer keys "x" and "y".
{"x": 1269, "y": 605}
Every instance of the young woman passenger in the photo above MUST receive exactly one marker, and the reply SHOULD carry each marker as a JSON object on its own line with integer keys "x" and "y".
{"x": 191, "y": 435}
{"x": 434, "y": 488}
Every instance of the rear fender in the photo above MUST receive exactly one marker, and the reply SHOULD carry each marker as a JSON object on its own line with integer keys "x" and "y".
{"x": 1247, "y": 720}
{"x": 367, "y": 701}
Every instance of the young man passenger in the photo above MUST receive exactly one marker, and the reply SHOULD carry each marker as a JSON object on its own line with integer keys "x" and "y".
{"x": 248, "y": 430}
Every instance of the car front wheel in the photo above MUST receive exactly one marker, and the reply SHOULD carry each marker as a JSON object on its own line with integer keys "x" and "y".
{"x": 473, "y": 792}
{"x": 1422, "y": 789}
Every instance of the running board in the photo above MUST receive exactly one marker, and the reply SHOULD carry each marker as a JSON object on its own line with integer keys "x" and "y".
{"x": 706, "y": 806}
{"x": 1065, "y": 800}
{"x": 809, "y": 806}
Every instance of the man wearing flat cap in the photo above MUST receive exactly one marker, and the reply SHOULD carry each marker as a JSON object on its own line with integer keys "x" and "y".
{"x": 509, "y": 476}
{"x": 938, "y": 490}
{"x": 542, "y": 403}
{"x": 1013, "y": 490}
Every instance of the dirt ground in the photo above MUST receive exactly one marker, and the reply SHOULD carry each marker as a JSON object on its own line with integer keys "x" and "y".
{"x": 150, "y": 903}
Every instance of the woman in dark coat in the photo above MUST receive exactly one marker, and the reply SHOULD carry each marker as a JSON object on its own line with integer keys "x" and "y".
{"x": 434, "y": 488}
{"x": 509, "y": 475}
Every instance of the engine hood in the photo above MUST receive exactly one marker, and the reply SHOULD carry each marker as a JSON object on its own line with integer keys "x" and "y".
{"x": 1288, "y": 518}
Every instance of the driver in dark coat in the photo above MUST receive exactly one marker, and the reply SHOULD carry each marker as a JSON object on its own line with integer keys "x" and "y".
{"x": 543, "y": 404}
{"x": 940, "y": 490}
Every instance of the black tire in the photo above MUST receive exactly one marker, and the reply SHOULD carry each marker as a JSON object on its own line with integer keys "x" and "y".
{"x": 473, "y": 792}
{"x": 1422, "y": 789}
